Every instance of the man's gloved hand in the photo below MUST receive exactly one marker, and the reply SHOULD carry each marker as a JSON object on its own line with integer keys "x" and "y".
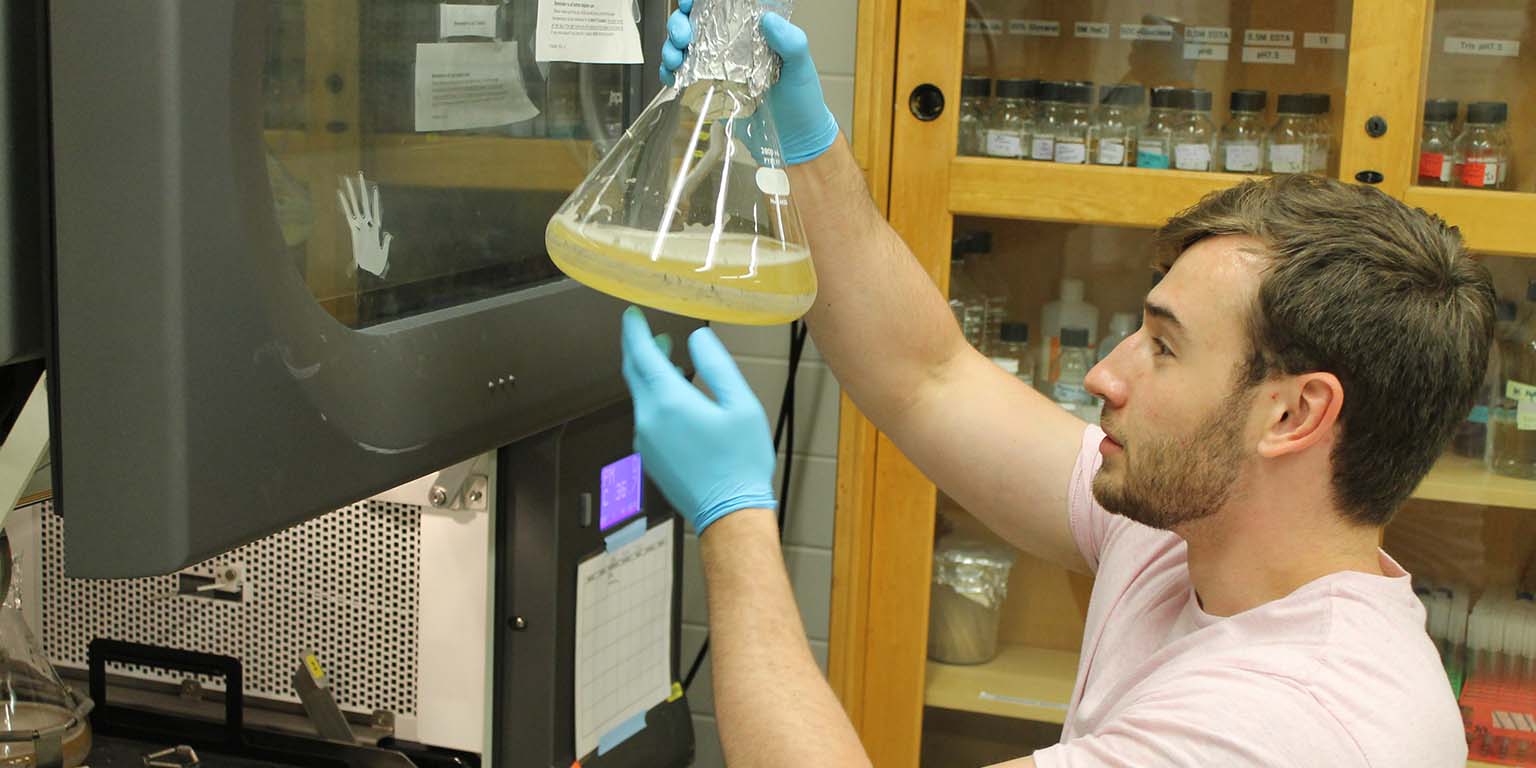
{"x": 806, "y": 127}
{"x": 709, "y": 457}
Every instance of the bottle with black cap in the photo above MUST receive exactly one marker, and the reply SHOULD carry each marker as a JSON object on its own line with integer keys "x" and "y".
{"x": 1007, "y": 133}
{"x": 1074, "y": 122}
{"x": 1012, "y": 346}
{"x": 1116, "y": 127}
{"x": 1154, "y": 146}
{"x": 1288, "y": 138}
{"x": 1194, "y": 133}
{"x": 1512, "y": 417}
{"x": 975, "y": 93}
{"x": 1076, "y": 360}
{"x": 1319, "y": 131}
{"x": 1437, "y": 148}
{"x": 1242, "y": 138}
{"x": 1042, "y": 132}
{"x": 1482, "y": 149}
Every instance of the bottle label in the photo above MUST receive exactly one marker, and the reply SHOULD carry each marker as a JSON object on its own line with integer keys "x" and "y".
{"x": 1151, "y": 158}
{"x": 1479, "y": 172}
{"x": 1287, "y": 158}
{"x": 1043, "y": 148}
{"x": 1242, "y": 158}
{"x": 1111, "y": 152}
{"x": 1071, "y": 152}
{"x": 1192, "y": 157}
{"x": 1432, "y": 165}
{"x": 1525, "y": 416}
{"x": 1071, "y": 393}
{"x": 1005, "y": 144}
{"x": 1319, "y": 160}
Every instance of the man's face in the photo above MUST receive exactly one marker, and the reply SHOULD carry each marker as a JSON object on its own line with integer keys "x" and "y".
{"x": 1178, "y": 423}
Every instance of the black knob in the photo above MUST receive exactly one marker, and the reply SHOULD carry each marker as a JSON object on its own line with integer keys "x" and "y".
{"x": 333, "y": 83}
{"x": 1376, "y": 126}
{"x": 1369, "y": 177}
{"x": 927, "y": 102}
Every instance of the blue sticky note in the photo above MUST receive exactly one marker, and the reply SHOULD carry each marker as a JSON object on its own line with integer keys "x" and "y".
{"x": 620, "y": 733}
{"x": 624, "y": 535}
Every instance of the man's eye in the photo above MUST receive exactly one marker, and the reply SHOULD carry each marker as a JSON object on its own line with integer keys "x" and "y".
{"x": 1159, "y": 348}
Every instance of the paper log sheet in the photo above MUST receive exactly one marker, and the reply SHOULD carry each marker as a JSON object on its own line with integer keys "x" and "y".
{"x": 623, "y": 634}
{"x": 469, "y": 85}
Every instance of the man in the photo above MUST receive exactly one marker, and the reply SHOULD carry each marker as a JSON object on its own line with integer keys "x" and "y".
{"x": 1303, "y": 361}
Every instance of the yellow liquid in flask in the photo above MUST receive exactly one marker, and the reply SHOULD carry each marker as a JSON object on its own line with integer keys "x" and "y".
{"x": 747, "y": 279}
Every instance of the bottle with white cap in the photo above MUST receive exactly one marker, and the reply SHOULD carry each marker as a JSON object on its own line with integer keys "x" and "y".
{"x": 1121, "y": 326}
{"x": 1069, "y": 311}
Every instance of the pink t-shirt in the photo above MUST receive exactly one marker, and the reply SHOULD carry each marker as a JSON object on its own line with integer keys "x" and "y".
{"x": 1339, "y": 673}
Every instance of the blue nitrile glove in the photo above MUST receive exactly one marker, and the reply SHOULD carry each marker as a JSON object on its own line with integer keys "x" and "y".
{"x": 806, "y": 127}
{"x": 709, "y": 457}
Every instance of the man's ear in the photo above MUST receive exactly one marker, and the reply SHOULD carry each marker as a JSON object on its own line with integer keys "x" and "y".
{"x": 1304, "y": 410}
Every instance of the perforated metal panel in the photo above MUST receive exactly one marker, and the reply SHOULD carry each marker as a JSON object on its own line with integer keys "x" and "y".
{"x": 345, "y": 585}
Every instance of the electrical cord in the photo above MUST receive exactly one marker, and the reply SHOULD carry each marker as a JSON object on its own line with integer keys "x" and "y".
{"x": 783, "y": 435}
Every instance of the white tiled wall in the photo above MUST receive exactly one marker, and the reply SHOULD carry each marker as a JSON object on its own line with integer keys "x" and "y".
{"x": 761, "y": 353}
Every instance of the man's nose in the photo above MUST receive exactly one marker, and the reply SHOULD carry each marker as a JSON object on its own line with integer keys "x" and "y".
{"x": 1105, "y": 380}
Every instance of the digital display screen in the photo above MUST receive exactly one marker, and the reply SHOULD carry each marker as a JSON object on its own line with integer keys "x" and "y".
{"x": 619, "y": 492}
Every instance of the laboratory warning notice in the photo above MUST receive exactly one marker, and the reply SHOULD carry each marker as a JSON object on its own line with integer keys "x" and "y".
{"x": 588, "y": 31}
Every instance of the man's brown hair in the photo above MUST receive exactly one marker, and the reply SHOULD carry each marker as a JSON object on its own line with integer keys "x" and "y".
{"x": 1382, "y": 296}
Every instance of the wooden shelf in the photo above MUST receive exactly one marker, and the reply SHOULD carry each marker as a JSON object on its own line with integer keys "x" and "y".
{"x": 1467, "y": 481}
{"x": 484, "y": 162}
{"x": 1480, "y": 764}
{"x": 1488, "y": 220}
{"x": 454, "y": 161}
{"x": 1081, "y": 194}
{"x": 1022, "y": 683}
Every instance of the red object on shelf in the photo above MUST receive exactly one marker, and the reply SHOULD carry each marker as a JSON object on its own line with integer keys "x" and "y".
{"x": 1500, "y": 719}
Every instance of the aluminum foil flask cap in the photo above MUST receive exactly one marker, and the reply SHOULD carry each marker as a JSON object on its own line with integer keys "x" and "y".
{"x": 691, "y": 210}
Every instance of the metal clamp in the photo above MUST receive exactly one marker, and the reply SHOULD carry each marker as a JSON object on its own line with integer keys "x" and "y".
{"x": 461, "y": 486}
{"x": 179, "y": 756}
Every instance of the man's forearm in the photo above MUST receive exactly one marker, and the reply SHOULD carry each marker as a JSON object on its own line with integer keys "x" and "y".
{"x": 771, "y": 702}
{"x": 878, "y": 319}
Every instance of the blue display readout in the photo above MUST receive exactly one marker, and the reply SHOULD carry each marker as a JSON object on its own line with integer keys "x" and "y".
{"x": 619, "y": 496}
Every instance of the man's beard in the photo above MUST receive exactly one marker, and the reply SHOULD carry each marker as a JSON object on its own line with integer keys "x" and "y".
{"x": 1174, "y": 481}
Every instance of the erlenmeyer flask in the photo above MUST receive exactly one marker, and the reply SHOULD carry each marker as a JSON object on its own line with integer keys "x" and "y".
{"x": 691, "y": 211}
{"x": 38, "y": 714}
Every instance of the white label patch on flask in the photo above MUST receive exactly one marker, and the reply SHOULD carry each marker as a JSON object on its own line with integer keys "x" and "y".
{"x": 1074, "y": 152}
{"x": 1242, "y": 157}
{"x": 773, "y": 181}
{"x": 1192, "y": 157}
{"x": 1111, "y": 152}
{"x": 1042, "y": 148}
{"x": 1287, "y": 158}
{"x": 1005, "y": 144}
{"x": 1525, "y": 416}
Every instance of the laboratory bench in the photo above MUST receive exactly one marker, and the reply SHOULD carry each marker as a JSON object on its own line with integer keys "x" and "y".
{"x": 980, "y": 217}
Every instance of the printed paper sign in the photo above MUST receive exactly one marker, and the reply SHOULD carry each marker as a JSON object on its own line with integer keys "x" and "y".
{"x": 1278, "y": 37}
{"x": 466, "y": 21}
{"x": 1208, "y": 34}
{"x": 1091, "y": 29}
{"x": 1269, "y": 55}
{"x": 1480, "y": 47}
{"x": 588, "y": 31}
{"x": 469, "y": 85}
{"x": 1205, "y": 52}
{"x": 1330, "y": 40}
{"x": 1157, "y": 32}
{"x": 1034, "y": 28}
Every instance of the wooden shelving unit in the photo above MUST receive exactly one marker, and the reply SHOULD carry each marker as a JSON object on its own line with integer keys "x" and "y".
{"x": 1483, "y": 217}
{"x": 456, "y": 161}
{"x": 1022, "y": 682}
{"x": 1467, "y": 481}
{"x": 1080, "y": 194}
